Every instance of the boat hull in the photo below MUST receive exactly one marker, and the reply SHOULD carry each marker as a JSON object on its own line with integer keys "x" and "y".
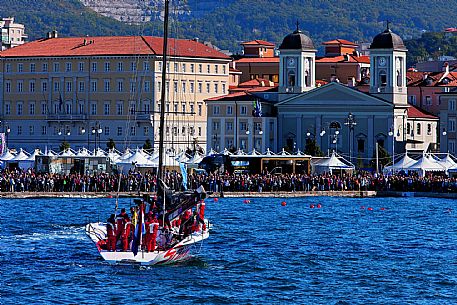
{"x": 182, "y": 251}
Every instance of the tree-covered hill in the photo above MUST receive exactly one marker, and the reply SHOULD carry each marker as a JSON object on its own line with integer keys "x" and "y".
{"x": 240, "y": 20}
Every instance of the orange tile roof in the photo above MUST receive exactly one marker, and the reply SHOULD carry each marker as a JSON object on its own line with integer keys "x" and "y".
{"x": 258, "y": 42}
{"x": 418, "y": 79}
{"x": 340, "y": 59}
{"x": 340, "y": 41}
{"x": 414, "y": 112}
{"x": 112, "y": 45}
{"x": 258, "y": 82}
{"x": 258, "y": 60}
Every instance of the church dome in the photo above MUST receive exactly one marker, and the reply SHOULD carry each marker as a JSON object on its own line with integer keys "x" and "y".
{"x": 388, "y": 40}
{"x": 297, "y": 41}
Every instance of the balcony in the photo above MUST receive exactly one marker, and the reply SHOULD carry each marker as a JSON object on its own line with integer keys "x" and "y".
{"x": 66, "y": 117}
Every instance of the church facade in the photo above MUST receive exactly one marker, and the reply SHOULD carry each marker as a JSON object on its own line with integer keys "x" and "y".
{"x": 343, "y": 119}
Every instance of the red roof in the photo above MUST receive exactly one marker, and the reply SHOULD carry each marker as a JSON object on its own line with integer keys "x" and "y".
{"x": 258, "y": 82}
{"x": 340, "y": 42}
{"x": 112, "y": 45}
{"x": 241, "y": 95}
{"x": 342, "y": 58}
{"x": 258, "y": 42}
{"x": 258, "y": 60}
{"x": 431, "y": 79}
{"x": 414, "y": 112}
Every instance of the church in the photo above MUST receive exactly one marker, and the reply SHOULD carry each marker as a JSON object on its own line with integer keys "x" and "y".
{"x": 342, "y": 118}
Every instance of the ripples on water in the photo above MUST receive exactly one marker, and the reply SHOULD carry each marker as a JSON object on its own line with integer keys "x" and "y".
{"x": 404, "y": 251}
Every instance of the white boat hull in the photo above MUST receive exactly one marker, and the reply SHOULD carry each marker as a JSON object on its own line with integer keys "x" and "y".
{"x": 182, "y": 251}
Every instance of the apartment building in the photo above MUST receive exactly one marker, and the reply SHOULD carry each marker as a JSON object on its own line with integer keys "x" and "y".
{"x": 87, "y": 90}
{"x": 13, "y": 34}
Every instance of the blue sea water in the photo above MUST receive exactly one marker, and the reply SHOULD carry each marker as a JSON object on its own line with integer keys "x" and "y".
{"x": 403, "y": 251}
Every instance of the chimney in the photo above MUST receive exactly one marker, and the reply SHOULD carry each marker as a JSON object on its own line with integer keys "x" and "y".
{"x": 346, "y": 57}
{"x": 54, "y": 34}
{"x": 48, "y": 35}
{"x": 196, "y": 39}
{"x": 425, "y": 76}
{"x": 351, "y": 81}
{"x": 85, "y": 42}
{"x": 446, "y": 67}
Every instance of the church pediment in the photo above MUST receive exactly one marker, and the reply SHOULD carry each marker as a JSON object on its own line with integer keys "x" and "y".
{"x": 333, "y": 94}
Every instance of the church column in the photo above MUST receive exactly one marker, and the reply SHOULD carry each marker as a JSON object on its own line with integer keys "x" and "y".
{"x": 221, "y": 137}
{"x": 280, "y": 133}
{"x": 317, "y": 136}
{"x": 371, "y": 140}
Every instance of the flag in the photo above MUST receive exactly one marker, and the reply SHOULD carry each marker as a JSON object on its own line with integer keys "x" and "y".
{"x": 139, "y": 231}
{"x": 183, "y": 167}
{"x": 60, "y": 102}
{"x": 257, "y": 111}
{"x": 2, "y": 143}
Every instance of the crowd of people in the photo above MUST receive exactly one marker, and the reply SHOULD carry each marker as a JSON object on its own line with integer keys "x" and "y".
{"x": 30, "y": 181}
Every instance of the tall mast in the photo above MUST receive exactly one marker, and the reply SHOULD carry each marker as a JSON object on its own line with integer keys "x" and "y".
{"x": 163, "y": 93}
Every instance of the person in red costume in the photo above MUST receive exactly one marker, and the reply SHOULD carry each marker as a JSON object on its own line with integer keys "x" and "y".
{"x": 152, "y": 226}
{"x": 126, "y": 233}
{"x": 111, "y": 233}
{"x": 120, "y": 224}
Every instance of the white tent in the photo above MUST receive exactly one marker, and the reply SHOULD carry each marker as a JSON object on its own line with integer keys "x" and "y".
{"x": 211, "y": 152}
{"x": 137, "y": 159}
{"x": 447, "y": 162}
{"x": 30, "y": 161}
{"x": 113, "y": 155}
{"x": 99, "y": 153}
{"x": 331, "y": 163}
{"x": 196, "y": 159}
{"x": 83, "y": 153}
{"x": 67, "y": 153}
{"x": 226, "y": 152}
{"x": 400, "y": 165}
{"x": 426, "y": 164}
{"x": 127, "y": 154}
{"x": 7, "y": 156}
{"x": 22, "y": 155}
{"x": 269, "y": 153}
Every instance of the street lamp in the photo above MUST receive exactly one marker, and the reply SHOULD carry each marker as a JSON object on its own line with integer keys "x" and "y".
{"x": 96, "y": 131}
{"x": 350, "y": 123}
{"x": 444, "y": 133}
{"x": 8, "y": 130}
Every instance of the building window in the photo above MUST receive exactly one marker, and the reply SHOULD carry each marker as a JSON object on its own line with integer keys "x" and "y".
{"x": 44, "y": 108}
{"x": 191, "y": 87}
{"x": 94, "y": 67}
{"x": 8, "y": 86}
{"x": 200, "y": 68}
{"x": 106, "y": 131}
{"x": 120, "y": 86}
{"x": 8, "y": 68}
{"x": 93, "y": 109}
{"x": 451, "y": 125}
{"x": 68, "y": 67}
{"x": 207, "y": 88}
{"x": 408, "y": 128}
{"x": 145, "y": 130}
{"x": 146, "y": 66}
{"x": 215, "y": 126}
{"x": 44, "y": 67}
{"x": 81, "y": 67}
{"x": 120, "y": 66}
{"x": 216, "y": 110}
{"x": 199, "y": 109}
{"x": 383, "y": 78}
{"x": 191, "y": 110}
{"x": 44, "y": 86}
{"x": 93, "y": 85}
{"x": 19, "y": 130}
{"x": 32, "y": 67}
{"x": 418, "y": 129}
{"x": 243, "y": 110}
{"x": 120, "y": 108}
{"x": 428, "y": 100}
{"x": 19, "y": 109}
{"x": 159, "y": 66}
{"x": 175, "y": 107}
{"x": 32, "y": 108}
{"x": 106, "y": 109}
{"x": 147, "y": 86}
{"x": 56, "y": 67}
{"x": 451, "y": 105}
{"x": 429, "y": 129}
{"x": 412, "y": 99}
{"x": 132, "y": 86}
{"x": 224, "y": 69}
{"x": 183, "y": 68}
{"x": 229, "y": 110}
{"x": 175, "y": 86}
{"x": 192, "y": 68}
{"x": 7, "y": 108}
{"x": 107, "y": 85}
{"x": 183, "y": 87}
{"x": 208, "y": 68}
{"x": 133, "y": 66}
{"x": 200, "y": 87}
{"x": 132, "y": 130}
{"x": 229, "y": 126}
{"x": 81, "y": 86}
{"x": 223, "y": 89}
{"x": 68, "y": 86}
{"x": 44, "y": 130}
{"x": 31, "y": 130}
{"x": 119, "y": 131}
{"x": 216, "y": 69}
{"x": 199, "y": 131}
{"x": 20, "y": 86}
{"x": 81, "y": 107}
{"x": 175, "y": 67}
{"x": 107, "y": 67}
{"x": 20, "y": 68}
{"x": 68, "y": 108}
{"x": 216, "y": 88}
{"x": 361, "y": 145}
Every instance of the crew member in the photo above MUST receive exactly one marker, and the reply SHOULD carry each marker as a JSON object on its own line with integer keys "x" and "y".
{"x": 126, "y": 233}
{"x": 111, "y": 233}
{"x": 152, "y": 226}
{"x": 120, "y": 224}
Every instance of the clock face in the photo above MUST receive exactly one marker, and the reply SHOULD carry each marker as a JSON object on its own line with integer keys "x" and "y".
{"x": 382, "y": 61}
{"x": 291, "y": 62}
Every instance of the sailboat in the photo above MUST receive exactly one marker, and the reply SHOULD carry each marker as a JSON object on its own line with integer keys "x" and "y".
{"x": 173, "y": 229}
